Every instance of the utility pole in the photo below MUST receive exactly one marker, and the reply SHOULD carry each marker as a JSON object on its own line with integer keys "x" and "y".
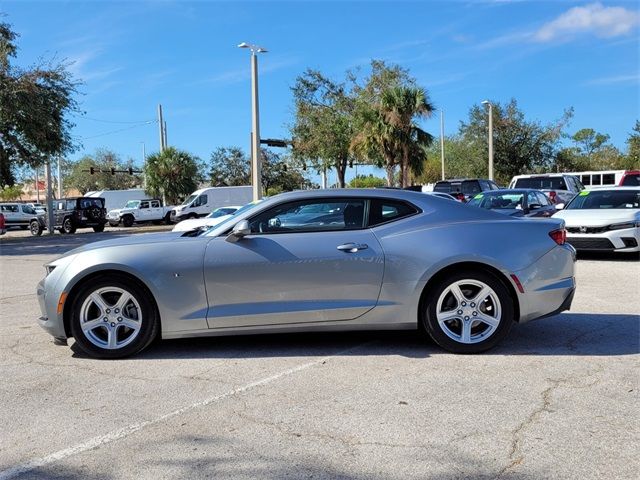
{"x": 486, "y": 102}
{"x": 166, "y": 144}
{"x": 37, "y": 186}
{"x": 442, "y": 141}
{"x": 60, "y": 193}
{"x": 256, "y": 160}
{"x": 49, "y": 199}
{"x": 161, "y": 127}
{"x": 324, "y": 177}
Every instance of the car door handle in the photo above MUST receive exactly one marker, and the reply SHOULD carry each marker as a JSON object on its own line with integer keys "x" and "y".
{"x": 352, "y": 247}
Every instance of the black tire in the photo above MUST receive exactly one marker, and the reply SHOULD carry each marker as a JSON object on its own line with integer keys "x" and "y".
{"x": 112, "y": 224}
{"x": 150, "y": 321}
{"x": 36, "y": 228}
{"x": 429, "y": 320}
{"x": 68, "y": 226}
{"x": 127, "y": 221}
{"x": 167, "y": 219}
{"x": 98, "y": 228}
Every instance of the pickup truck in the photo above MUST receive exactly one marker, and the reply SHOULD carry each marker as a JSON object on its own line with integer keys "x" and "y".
{"x": 139, "y": 211}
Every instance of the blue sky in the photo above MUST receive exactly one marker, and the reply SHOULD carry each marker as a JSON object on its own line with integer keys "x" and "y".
{"x": 134, "y": 55}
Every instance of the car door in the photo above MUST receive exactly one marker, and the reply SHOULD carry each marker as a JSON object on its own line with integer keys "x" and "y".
{"x": 295, "y": 267}
{"x": 156, "y": 210}
{"x": 143, "y": 212}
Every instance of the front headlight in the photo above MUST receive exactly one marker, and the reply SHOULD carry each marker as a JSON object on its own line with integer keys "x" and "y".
{"x": 621, "y": 226}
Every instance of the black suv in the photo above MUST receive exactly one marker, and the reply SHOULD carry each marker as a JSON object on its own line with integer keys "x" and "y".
{"x": 82, "y": 212}
{"x": 465, "y": 189}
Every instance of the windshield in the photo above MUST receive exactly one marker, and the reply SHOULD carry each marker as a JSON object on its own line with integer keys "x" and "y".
{"x": 497, "y": 201}
{"x": 132, "y": 204}
{"x": 605, "y": 199}
{"x": 221, "y": 212}
{"x": 247, "y": 207}
{"x": 542, "y": 183}
{"x": 188, "y": 200}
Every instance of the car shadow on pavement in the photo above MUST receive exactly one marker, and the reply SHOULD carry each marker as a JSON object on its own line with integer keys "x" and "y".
{"x": 566, "y": 334}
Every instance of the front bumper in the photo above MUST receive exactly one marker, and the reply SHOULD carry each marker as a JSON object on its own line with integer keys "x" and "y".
{"x": 49, "y": 319}
{"x": 624, "y": 240}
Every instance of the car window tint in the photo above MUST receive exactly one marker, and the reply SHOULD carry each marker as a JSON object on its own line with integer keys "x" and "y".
{"x": 631, "y": 181}
{"x": 311, "y": 216}
{"x": 155, "y": 204}
{"x": 542, "y": 183}
{"x": 443, "y": 187}
{"x": 29, "y": 210}
{"x": 71, "y": 204}
{"x": 471, "y": 187}
{"x": 383, "y": 210}
{"x": 144, "y": 204}
{"x": 586, "y": 179}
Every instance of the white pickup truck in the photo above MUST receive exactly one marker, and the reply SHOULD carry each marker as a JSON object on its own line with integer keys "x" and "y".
{"x": 139, "y": 211}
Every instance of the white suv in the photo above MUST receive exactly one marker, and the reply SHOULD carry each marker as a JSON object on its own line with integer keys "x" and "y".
{"x": 21, "y": 215}
{"x": 559, "y": 187}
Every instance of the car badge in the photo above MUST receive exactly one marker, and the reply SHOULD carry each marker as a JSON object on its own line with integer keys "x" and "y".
{"x": 583, "y": 229}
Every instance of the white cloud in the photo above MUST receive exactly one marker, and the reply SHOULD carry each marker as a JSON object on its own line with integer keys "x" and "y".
{"x": 618, "y": 79}
{"x": 594, "y": 18}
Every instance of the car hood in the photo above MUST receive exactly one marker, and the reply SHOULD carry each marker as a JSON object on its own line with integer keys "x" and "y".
{"x": 597, "y": 218}
{"x": 186, "y": 225}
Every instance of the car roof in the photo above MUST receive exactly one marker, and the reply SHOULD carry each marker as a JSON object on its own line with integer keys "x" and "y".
{"x": 544, "y": 175}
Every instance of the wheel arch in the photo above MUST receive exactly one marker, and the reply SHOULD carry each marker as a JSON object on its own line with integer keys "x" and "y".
{"x": 80, "y": 281}
{"x": 470, "y": 265}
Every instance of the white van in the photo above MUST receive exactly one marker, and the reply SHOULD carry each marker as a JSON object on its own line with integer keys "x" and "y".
{"x": 114, "y": 199}
{"x": 202, "y": 202}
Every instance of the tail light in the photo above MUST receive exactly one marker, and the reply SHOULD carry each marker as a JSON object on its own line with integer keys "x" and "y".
{"x": 553, "y": 196}
{"x": 559, "y": 236}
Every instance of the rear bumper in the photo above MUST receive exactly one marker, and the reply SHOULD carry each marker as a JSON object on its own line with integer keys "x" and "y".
{"x": 549, "y": 284}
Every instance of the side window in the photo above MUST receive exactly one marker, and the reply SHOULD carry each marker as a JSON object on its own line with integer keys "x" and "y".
{"x": 542, "y": 198}
{"x": 28, "y": 210}
{"x": 60, "y": 206}
{"x": 383, "y": 211}
{"x": 155, "y": 204}
{"x": 144, "y": 204}
{"x": 484, "y": 185}
{"x": 609, "y": 179}
{"x": 202, "y": 200}
{"x": 311, "y": 216}
{"x": 494, "y": 186}
{"x": 596, "y": 179}
{"x": 586, "y": 179}
{"x": 532, "y": 199}
{"x": 71, "y": 204}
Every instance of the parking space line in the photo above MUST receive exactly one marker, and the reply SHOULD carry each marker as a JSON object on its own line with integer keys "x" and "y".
{"x": 136, "y": 427}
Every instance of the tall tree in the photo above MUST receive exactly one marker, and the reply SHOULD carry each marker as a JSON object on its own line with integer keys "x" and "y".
{"x": 588, "y": 141}
{"x": 633, "y": 148}
{"x": 172, "y": 174}
{"x": 323, "y": 125}
{"x": 519, "y": 145}
{"x": 389, "y": 106}
{"x": 278, "y": 176}
{"x": 229, "y": 166}
{"x": 34, "y": 105}
{"x": 102, "y": 161}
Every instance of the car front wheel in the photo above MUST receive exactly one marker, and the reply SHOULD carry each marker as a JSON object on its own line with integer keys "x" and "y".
{"x": 113, "y": 318}
{"x": 468, "y": 312}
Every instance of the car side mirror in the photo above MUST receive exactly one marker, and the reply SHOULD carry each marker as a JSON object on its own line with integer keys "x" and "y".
{"x": 559, "y": 206}
{"x": 240, "y": 230}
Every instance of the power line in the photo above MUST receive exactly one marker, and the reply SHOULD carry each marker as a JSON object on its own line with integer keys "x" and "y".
{"x": 115, "y": 131}
{"x": 111, "y": 121}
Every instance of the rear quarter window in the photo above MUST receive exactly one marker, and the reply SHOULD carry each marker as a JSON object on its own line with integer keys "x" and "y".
{"x": 384, "y": 211}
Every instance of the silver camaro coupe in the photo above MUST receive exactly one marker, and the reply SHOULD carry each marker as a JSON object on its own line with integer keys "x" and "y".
{"x": 323, "y": 260}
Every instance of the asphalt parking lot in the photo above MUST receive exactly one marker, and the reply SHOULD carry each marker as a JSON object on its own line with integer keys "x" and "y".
{"x": 558, "y": 399}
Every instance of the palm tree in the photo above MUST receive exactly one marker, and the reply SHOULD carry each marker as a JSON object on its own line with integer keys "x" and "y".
{"x": 401, "y": 107}
{"x": 388, "y": 134}
{"x": 172, "y": 174}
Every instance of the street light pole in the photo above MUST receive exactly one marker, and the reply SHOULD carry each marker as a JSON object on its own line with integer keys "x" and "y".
{"x": 256, "y": 163}
{"x": 486, "y": 102}
{"x": 442, "y": 141}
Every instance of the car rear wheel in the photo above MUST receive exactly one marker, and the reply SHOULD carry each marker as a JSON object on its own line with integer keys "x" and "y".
{"x": 167, "y": 219}
{"x": 68, "y": 226}
{"x": 35, "y": 228}
{"x": 113, "y": 318}
{"x": 98, "y": 228}
{"x": 468, "y": 312}
{"x": 127, "y": 221}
